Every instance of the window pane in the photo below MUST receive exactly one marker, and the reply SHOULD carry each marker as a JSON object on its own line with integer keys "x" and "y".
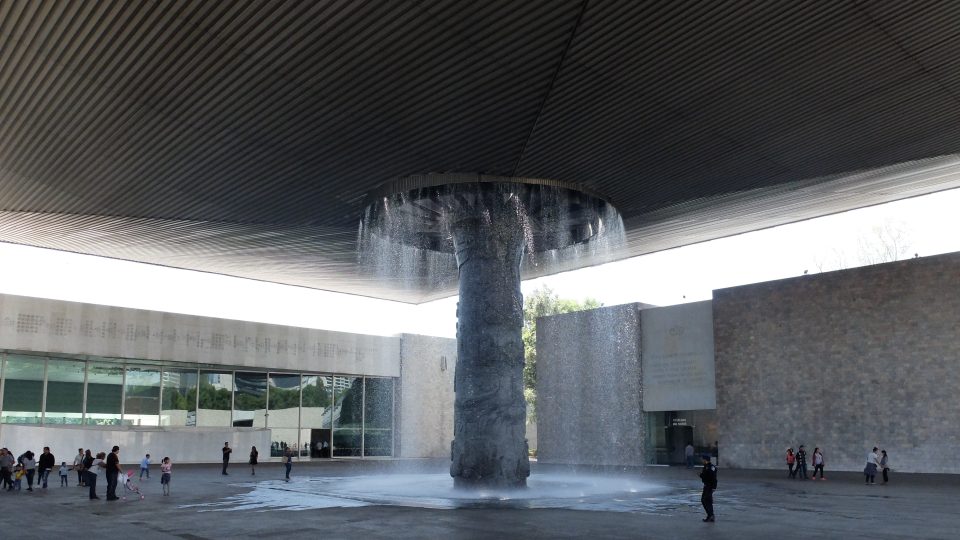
{"x": 104, "y": 394}
{"x": 22, "y": 389}
{"x": 178, "y": 406}
{"x": 284, "y": 412}
{"x": 216, "y": 390}
{"x": 316, "y": 416}
{"x": 378, "y": 417}
{"x": 347, "y": 416}
{"x": 250, "y": 400}
{"x": 142, "y": 406}
{"x": 64, "y": 391}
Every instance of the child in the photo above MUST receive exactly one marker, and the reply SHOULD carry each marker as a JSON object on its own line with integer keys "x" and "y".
{"x": 165, "y": 467}
{"x": 145, "y": 467}
{"x": 18, "y": 474}
{"x": 63, "y": 474}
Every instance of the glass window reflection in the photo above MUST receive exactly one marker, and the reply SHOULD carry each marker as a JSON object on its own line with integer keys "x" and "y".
{"x": 216, "y": 398}
{"x": 348, "y": 416}
{"x": 250, "y": 400}
{"x": 316, "y": 416}
{"x": 284, "y": 418}
{"x": 64, "y": 391}
{"x": 178, "y": 404}
{"x": 22, "y": 389}
{"x": 104, "y": 394}
{"x": 142, "y": 397}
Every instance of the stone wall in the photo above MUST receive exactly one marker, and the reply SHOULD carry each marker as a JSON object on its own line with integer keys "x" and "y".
{"x": 845, "y": 361}
{"x": 588, "y": 387}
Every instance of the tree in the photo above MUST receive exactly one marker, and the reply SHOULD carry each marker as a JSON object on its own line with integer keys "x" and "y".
{"x": 541, "y": 303}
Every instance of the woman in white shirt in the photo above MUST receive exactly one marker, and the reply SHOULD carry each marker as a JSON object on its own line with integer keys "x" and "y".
{"x": 94, "y": 472}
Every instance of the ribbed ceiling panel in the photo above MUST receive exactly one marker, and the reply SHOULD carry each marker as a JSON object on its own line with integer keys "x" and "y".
{"x": 241, "y": 137}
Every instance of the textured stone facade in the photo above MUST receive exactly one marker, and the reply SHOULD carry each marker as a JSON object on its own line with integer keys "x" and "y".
{"x": 845, "y": 361}
{"x": 589, "y": 398}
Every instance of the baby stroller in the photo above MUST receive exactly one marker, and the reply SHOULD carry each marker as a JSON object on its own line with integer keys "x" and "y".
{"x": 128, "y": 485}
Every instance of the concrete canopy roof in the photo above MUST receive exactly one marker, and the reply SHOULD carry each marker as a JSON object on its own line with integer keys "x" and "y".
{"x": 241, "y": 137}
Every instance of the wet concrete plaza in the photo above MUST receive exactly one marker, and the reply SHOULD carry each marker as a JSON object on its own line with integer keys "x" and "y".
{"x": 351, "y": 499}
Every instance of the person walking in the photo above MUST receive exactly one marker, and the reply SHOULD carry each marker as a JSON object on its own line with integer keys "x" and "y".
{"x": 885, "y": 466}
{"x": 709, "y": 478}
{"x": 93, "y": 467}
{"x": 78, "y": 466}
{"x": 29, "y": 468}
{"x": 253, "y": 460}
{"x": 688, "y": 453}
{"x": 817, "y": 463}
{"x": 288, "y": 462}
{"x": 112, "y": 472}
{"x": 226, "y": 457}
{"x": 870, "y": 470}
{"x": 166, "y": 469}
{"x": 791, "y": 460}
{"x": 802, "y": 463}
{"x": 46, "y": 464}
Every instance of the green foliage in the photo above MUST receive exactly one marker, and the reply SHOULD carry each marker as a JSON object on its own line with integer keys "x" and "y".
{"x": 541, "y": 303}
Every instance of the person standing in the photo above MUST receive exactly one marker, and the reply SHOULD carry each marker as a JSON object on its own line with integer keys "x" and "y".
{"x": 64, "y": 474}
{"x": 78, "y": 466}
{"x": 226, "y": 457}
{"x": 870, "y": 470}
{"x": 791, "y": 459}
{"x": 46, "y": 464}
{"x": 29, "y": 468}
{"x": 709, "y": 478}
{"x": 93, "y": 466}
{"x": 166, "y": 469}
{"x": 253, "y": 460}
{"x": 688, "y": 452}
{"x": 113, "y": 471}
{"x": 884, "y": 465}
{"x": 288, "y": 462}
{"x": 802, "y": 463}
{"x": 817, "y": 463}
{"x": 145, "y": 467}
{"x": 6, "y": 468}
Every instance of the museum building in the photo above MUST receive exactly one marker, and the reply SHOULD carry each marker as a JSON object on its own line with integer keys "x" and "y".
{"x": 82, "y": 375}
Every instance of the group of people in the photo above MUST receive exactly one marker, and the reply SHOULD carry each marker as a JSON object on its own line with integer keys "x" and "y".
{"x": 27, "y": 466}
{"x": 288, "y": 454}
{"x": 89, "y": 466}
{"x": 876, "y": 462}
{"x": 797, "y": 463}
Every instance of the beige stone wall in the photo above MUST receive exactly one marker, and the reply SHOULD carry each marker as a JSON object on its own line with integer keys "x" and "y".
{"x": 845, "y": 361}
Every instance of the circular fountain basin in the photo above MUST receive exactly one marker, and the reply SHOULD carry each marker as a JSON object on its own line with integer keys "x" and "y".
{"x": 436, "y": 491}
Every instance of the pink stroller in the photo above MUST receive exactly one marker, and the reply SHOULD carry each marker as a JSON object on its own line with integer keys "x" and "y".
{"x": 128, "y": 485}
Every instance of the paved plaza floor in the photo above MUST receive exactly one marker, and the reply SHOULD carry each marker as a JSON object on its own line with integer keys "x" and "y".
{"x": 749, "y": 504}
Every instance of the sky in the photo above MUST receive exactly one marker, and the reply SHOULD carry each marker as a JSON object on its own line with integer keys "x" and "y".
{"x": 922, "y": 226}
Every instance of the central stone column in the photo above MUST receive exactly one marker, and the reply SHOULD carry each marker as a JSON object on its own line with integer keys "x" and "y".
{"x": 489, "y": 446}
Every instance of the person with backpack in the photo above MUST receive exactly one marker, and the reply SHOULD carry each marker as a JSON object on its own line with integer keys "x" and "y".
{"x": 709, "y": 478}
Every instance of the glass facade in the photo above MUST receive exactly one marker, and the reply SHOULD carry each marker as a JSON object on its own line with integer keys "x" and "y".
{"x": 319, "y": 415}
{"x": 669, "y": 432}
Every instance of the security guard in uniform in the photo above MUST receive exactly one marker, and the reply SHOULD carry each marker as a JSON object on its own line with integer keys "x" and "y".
{"x": 709, "y": 478}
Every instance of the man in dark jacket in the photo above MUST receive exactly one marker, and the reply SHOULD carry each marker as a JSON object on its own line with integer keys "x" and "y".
{"x": 46, "y": 464}
{"x": 802, "y": 463}
{"x": 709, "y": 478}
{"x": 113, "y": 473}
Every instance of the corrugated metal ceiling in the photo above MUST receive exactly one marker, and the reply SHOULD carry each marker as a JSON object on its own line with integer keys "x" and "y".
{"x": 241, "y": 137}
